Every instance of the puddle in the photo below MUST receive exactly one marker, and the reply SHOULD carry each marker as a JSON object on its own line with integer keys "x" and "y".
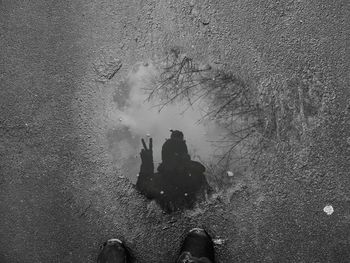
{"x": 139, "y": 118}
{"x": 186, "y": 144}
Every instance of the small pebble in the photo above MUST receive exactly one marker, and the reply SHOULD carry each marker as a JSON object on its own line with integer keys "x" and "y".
{"x": 161, "y": 192}
{"x": 328, "y": 209}
{"x": 219, "y": 241}
{"x": 229, "y": 173}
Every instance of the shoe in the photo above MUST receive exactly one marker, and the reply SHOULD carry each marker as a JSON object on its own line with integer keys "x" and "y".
{"x": 113, "y": 251}
{"x": 197, "y": 247}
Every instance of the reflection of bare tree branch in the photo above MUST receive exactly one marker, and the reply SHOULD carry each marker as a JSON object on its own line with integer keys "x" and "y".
{"x": 230, "y": 100}
{"x": 255, "y": 117}
{"x": 274, "y": 112}
{"x": 227, "y": 154}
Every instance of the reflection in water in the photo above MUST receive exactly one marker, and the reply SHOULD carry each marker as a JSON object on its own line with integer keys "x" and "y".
{"x": 178, "y": 182}
{"x": 135, "y": 116}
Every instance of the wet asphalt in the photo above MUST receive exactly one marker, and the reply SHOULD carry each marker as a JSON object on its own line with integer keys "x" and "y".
{"x": 60, "y": 194}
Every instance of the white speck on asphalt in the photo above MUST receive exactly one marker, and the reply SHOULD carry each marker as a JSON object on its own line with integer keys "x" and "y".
{"x": 328, "y": 209}
{"x": 219, "y": 241}
{"x": 229, "y": 173}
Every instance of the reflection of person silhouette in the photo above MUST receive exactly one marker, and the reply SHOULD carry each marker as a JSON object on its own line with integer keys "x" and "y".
{"x": 179, "y": 180}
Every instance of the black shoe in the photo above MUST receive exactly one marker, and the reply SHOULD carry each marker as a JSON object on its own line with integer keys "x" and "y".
{"x": 197, "y": 247}
{"x": 113, "y": 251}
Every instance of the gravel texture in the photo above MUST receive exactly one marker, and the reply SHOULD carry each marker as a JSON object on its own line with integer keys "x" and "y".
{"x": 61, "y": 62}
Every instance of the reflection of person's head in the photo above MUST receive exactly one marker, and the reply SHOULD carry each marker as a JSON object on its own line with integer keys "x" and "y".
{"x": 176, "y": 135}
{"x": 174, "y": 150}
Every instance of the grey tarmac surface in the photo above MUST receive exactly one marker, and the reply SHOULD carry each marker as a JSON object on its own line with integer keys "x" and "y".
{"x": 60, "y": 192}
